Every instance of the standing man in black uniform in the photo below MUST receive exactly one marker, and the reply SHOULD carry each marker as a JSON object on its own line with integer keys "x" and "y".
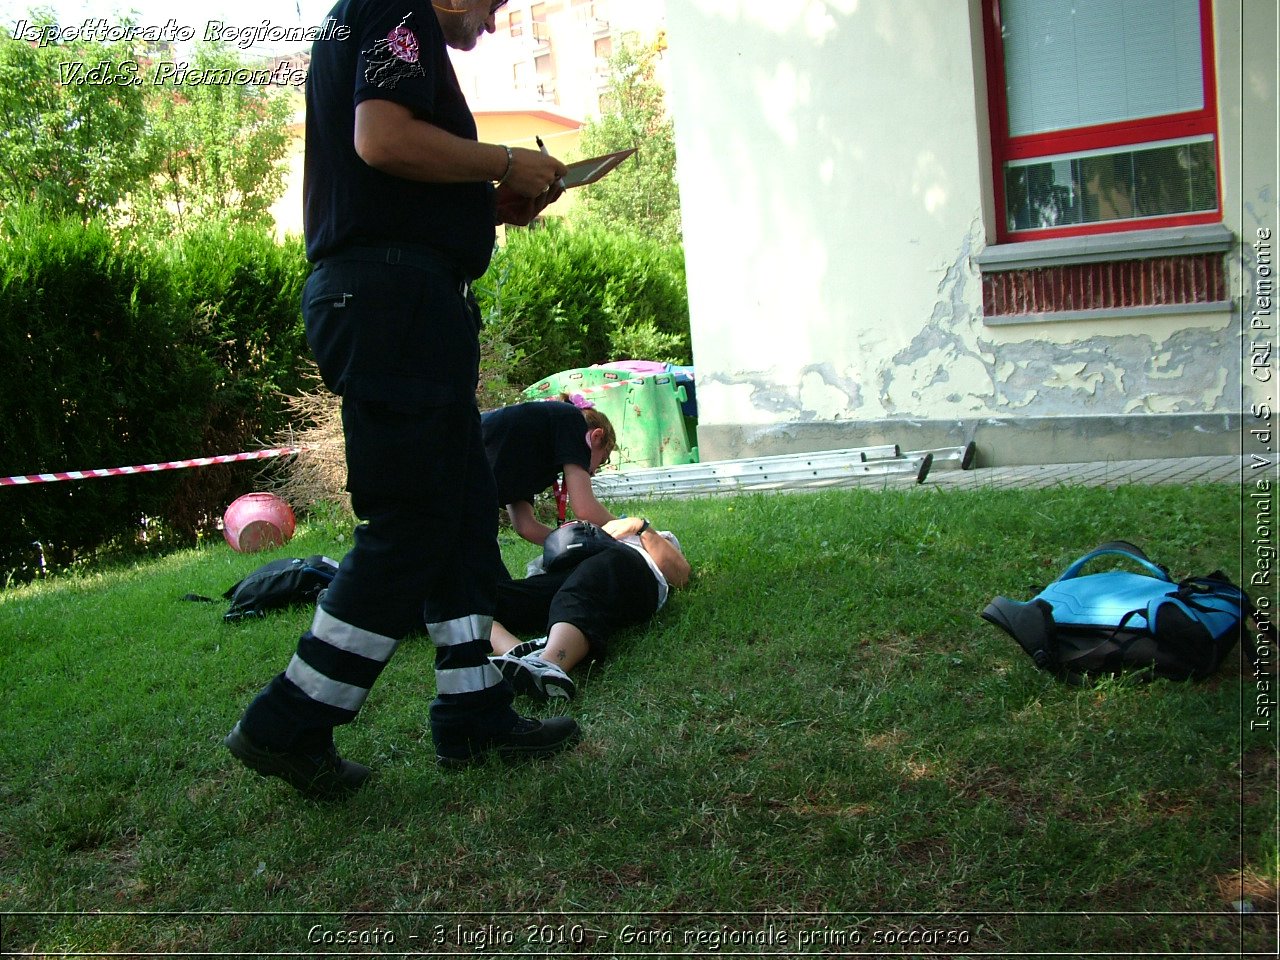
{"x": 400, "y": 208}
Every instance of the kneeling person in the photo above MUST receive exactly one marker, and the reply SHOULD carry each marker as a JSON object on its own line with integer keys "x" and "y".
{"x": 581, "y": 608}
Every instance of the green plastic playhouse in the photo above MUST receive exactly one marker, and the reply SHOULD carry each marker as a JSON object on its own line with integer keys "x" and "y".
{"x": 645, "y": 404}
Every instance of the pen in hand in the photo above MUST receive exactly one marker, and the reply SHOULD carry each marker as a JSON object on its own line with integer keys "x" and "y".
{"x": 543, "y": 147}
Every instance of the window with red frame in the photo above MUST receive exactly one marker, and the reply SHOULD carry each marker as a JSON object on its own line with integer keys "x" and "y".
{"x": 1103, "y": 115}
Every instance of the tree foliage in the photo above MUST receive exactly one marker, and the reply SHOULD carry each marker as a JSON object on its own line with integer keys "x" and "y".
{"x": 217, "y": 147}
{"x": 96, "y": 130}
{"x": 73, "y": 146}
{"x": 102, "y": 368}
{"x": 119, "y": 348}
{"x": 641, "y": 194}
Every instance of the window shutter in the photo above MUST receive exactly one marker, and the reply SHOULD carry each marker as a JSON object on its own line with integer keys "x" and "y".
{"x": 1075, "y": 63}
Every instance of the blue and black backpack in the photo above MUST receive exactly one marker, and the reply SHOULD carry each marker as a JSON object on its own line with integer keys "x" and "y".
{"x": 1084, "y": 625}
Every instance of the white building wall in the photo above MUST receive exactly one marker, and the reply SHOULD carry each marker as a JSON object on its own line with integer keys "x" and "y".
{"x": 836, "y": 187}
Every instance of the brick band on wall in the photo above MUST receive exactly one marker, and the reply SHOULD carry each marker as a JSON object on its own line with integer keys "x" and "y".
{"x": 1154, "y": 282}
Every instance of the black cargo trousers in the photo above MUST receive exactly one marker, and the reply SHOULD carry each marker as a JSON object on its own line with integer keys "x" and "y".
{"x": 395, "y": 333}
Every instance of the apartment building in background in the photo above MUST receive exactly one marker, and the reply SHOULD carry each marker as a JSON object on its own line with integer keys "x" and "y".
{"x": 550, "y": 59}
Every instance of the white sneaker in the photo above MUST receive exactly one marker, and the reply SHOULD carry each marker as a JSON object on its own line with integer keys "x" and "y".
{"x": 535, "y": 677}
{"x": 528, "y": 647}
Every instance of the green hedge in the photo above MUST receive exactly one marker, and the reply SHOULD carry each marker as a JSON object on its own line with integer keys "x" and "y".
{"x": 117, "y": 351}
{"x": 243, "y": 291}
{"x": 563, "y": 297}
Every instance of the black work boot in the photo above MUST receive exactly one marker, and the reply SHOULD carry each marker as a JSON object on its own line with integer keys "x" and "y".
{"x": 526, "y": 739}
{"x": 322, "y": 775}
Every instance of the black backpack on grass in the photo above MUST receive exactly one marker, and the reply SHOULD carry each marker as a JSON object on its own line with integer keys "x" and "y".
{"x": 278, "y": 584}
{"x": 1104, "y": 623}
{"x": 273, "y": 586}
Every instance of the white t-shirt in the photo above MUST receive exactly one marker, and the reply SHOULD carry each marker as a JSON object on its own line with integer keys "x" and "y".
{"x": 633, "y": 542}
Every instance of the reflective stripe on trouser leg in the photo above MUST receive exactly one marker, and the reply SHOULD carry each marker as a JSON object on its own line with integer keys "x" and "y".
{"x": 325, "y": 685}
{"x": 337, "y": 663}
{"x": 462, "y": 656}
{"x": 472, "y": 707}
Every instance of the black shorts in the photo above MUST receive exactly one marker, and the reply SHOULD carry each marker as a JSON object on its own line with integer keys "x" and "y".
{"x": 600, "y": 596}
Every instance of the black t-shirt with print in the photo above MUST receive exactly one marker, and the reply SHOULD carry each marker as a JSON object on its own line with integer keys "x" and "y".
{"x": 390, "y": 50}
{"x": 528, "y": 445}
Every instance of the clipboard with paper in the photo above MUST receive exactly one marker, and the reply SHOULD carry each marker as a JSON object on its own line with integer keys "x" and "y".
{"x": 583, "y": 172}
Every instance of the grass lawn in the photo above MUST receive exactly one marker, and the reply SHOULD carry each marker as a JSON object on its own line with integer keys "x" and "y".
{"x": 818, "y": 746}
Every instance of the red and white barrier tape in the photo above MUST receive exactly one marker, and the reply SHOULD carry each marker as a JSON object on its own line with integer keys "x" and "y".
{"x": 146, "y": 467}
{"x": 22, "y": 481}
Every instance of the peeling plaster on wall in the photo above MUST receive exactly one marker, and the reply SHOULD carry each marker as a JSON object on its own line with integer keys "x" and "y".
{"x": 1075, "y": 376}
{"x": 1217, "y": 390}
{"x": 1041, "y": 377}
{"x": 755, "y": 389}
{"x": 949, "y": 369}
{"x": 1116, "y": 375}
{"x": 775, "y": 398}
{"x": 940, "y": 352}
{"x": 1154, "y": 404}
{"x": 1129, "y": 371}
{"x": 822, "y": 392}
{"x": 1160, "y": 369}
{"x": 940, "y": 381}
{"x": 826, "y": 395}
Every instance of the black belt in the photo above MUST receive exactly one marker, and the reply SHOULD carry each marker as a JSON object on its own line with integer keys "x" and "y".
{"x": 422, "y": 258}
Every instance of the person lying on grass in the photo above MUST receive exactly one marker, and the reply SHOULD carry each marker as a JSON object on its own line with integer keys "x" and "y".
{"x": 582, "y": 607}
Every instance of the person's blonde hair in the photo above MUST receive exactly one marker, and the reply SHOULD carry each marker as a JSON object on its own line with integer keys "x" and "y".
{"x": 595, "y": 420}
